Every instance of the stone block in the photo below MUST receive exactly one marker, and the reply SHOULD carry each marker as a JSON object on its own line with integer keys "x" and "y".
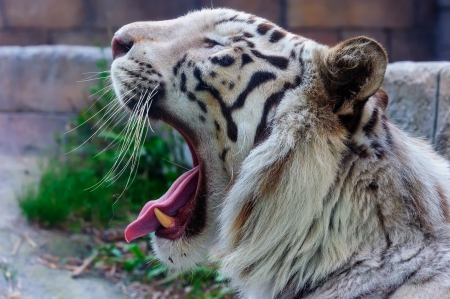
{"x": 81, "y": 37}
{"x": 444, "y": 95}
{"x": 412, "y": 89}
{"x": 379, "y": 35}
{"x": 30, "y": 133}
{"x": 269, "y": 10}
{"x": 350, "y": 13}
{"x": 44, "y": 13}
{"x": 125, "y": 12}
{"x": 22, "y": 37}
{"x": 328, "y": 37}
{"x": 411, "y": 44}
{"x": 442, "y": 140}
{"x": 44, "y": 78}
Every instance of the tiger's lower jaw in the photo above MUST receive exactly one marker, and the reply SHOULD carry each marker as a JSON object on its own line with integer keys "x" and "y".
{"x": 184, "y": 253}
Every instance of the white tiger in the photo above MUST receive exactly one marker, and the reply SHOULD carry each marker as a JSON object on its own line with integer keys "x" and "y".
{"x": 301, "y": 187}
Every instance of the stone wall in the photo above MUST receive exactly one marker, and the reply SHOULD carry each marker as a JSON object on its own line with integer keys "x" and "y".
{"x": 419, "y": 100}
{"x": 39, "y": 92}
{"x": 408, "y": 29}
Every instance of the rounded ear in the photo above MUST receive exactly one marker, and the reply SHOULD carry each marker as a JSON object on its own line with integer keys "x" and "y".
{"x": 353, "y": 69}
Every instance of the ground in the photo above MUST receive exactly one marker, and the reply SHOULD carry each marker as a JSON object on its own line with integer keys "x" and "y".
{"x": 24, "y": 249}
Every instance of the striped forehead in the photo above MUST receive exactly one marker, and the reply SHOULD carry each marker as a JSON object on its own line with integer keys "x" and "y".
{"x": 227, "y": 22}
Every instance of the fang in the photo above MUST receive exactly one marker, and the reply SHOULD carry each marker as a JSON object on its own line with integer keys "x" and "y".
{"x": 165, "y": 220}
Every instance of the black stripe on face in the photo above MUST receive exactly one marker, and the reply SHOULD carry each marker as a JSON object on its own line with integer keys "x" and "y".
{"x": 178, "y": 65}
{"x": 242, "y": 38}
{"x": 292, "y": 54}
{"x": 351, "y": 121}
{"x": 370, "y": 125}
{"x": 251, "y": 19}
{"x": 262, "y": 131}
{"x": 263, "y": 28}
{"x": 277, "y": 61}
{"x": 232, "y": 130}
{"x": 276, "y": 36}
{"x": 300, "y": 58}
{"x": 223, "y": 61}
{"x": 387, "y": 133}
{"x": 224, "y": 154}
{"x": 183, "y": 83}
{"x": 202, "y": 106}
{"x": 246, "y": 59}
{"x": 233, "y": 19}
{"x": 257, "y": 79}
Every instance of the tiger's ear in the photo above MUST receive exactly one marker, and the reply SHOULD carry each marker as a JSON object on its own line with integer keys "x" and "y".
{"x": 353, "y": 70}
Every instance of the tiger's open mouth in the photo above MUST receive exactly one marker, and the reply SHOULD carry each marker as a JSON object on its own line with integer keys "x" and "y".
{"x": 179, "y": 212}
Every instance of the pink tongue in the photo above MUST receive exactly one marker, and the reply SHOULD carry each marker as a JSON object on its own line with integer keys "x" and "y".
{"x": 177, "y": 196}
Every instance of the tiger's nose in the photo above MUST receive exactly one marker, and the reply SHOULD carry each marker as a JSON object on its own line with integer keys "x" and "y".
{"x": 120, "y": 45}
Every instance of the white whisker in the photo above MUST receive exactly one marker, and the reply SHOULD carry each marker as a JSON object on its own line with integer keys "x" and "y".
{"x": 174, "y": 163}
{"x": 95, "y": 131}
{"x": 243, "y": 144}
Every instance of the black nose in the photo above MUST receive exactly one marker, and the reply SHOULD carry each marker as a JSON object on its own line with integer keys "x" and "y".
{"x": 120, "y": 46}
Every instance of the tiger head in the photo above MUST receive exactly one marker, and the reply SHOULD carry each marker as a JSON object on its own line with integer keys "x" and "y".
{"x": 246, "y": 96}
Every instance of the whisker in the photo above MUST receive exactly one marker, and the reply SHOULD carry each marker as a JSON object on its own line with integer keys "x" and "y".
{"x": 110, "y": 98}
{"x": 124, "y": 148}
{"x": 113, "y": 142}
{"x": 151, "y": 101}
{"x": 174, "y": 163}
{"x": 95, "y": 74}
{"x": 126, "y": 80}
{"x": 135, "y": 148}
{"x": 243, "y": 144}
{"x": 105, "y": 71}
{"x": 95, "y": 131}
{"x": 109, "y": 105}
{"x": 135, "y": 132}
{"x": 140, "y": 132}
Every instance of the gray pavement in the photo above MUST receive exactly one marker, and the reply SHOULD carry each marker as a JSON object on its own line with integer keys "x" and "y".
{"x": 21, "y": 245}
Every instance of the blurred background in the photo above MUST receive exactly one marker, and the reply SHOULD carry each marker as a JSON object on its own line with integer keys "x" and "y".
{"x": 409, "y": 29}
{"x": 62, "y": 215}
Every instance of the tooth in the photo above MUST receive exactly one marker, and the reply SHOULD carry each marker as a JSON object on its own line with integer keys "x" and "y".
{"x": 165, "y": 220}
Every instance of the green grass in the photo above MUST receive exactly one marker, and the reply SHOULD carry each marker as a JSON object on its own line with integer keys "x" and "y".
{"x": 61, "y": 198}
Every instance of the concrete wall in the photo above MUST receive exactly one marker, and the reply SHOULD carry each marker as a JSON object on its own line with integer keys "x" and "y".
{"x": 408, "y": 29}
{"x": 39, "y": 92}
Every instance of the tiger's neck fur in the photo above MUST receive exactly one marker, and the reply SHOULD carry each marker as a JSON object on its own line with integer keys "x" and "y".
{"x": 321, "y": 211}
